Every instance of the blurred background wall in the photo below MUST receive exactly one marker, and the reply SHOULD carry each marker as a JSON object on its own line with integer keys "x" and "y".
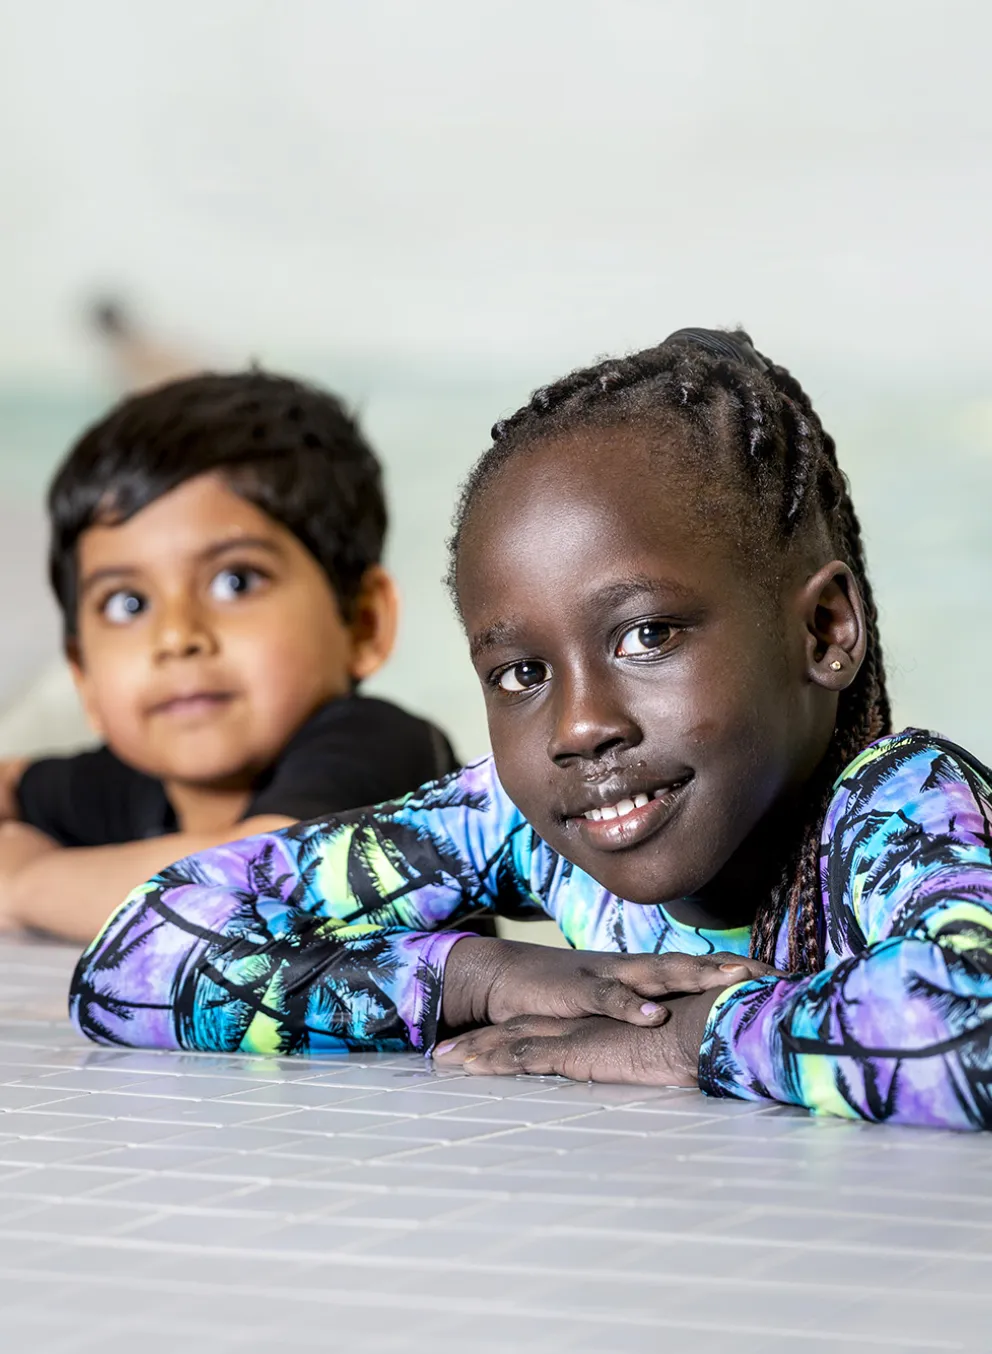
{"x": 434, "y": 207}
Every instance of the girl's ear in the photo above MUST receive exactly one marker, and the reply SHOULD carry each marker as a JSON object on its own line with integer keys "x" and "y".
{"x": 84, "y": 689}
{"x": 374, "y": 618}
{"x": 835, "y": 626}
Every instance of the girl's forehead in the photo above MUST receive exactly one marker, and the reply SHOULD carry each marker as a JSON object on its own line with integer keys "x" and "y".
{"x": 579, "y": 519}
{"x": 567, "y": 491}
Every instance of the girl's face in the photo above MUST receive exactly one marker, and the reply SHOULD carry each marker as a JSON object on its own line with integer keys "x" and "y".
{"x": 649, "y": 701}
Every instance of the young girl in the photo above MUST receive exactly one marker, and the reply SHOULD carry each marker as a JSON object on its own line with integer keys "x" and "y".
{"x": 660, "y": 573}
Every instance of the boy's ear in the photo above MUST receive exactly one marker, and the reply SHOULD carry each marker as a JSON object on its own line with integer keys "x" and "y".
{"x": 836, "y": 634}
{"x": 83, "y": 687}
{"x": 374, "y": 618}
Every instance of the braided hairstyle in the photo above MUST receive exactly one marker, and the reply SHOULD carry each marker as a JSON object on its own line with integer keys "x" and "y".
{"x": 731, "y": 400}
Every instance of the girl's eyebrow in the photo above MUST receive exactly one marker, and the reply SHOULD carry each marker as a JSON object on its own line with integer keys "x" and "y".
{"x": 611, "y": 595}
{"x": 500, "y": 632}
{"x": 664, "y": 593}
{"x": 623, "y": 590}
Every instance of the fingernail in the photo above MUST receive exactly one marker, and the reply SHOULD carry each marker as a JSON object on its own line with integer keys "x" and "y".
{"x": 650, "y": 1008}
{"x": 446, "y": 1047}
{"x": 733, "y": 968}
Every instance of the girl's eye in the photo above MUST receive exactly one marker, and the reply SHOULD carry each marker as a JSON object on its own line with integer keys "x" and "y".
{"x": 232, "y": 583}
{"x": 647, "y": 638}
{"x": 122, "y": 606}
{"x": 523, "y": 676}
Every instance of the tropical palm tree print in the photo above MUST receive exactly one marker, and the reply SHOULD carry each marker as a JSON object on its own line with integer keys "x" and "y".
{"x": 333, "y": 935}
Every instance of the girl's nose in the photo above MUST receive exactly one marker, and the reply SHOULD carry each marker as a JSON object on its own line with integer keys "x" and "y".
{"x": 589, "y": 722}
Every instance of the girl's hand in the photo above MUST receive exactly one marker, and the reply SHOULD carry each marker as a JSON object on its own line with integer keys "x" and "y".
{"x": 591, "y": 1048}
{"x": 488, "y": 982}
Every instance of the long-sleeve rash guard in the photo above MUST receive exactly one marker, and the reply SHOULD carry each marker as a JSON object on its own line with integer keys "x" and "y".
{"x": 334, "y": 935}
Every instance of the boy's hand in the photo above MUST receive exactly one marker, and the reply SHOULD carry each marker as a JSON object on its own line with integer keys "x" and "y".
{"x": 591, "y": 1048}
{"x": 491, "y": 981}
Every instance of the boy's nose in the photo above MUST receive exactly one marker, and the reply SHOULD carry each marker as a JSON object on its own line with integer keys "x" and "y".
{"x": 589, "y": 723}
{"x": 182, "y": 633}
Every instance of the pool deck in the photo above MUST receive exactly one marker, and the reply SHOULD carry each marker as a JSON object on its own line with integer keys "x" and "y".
{"x": 167, "y": 1202}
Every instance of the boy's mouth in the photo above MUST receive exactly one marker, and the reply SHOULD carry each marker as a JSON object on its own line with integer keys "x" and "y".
{"x": 193, "y": 704}
{"x": 631, "y": 820}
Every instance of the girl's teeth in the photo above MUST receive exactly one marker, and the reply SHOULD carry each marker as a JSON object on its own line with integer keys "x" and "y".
{"x": 620, "y": 810}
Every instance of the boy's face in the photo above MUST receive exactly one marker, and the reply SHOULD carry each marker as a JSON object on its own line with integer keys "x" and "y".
{"x": 207, "y": 635}
{"x": 628, "y": 659}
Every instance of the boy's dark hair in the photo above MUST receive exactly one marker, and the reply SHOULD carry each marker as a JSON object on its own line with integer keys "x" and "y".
{"x": 784, "y": 481}
{"x": 291, "y": 449}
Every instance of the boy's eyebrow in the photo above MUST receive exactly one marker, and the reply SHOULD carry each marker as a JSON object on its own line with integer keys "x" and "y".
{"x": 241, "y": 542}
{"x": 90, "y": 581}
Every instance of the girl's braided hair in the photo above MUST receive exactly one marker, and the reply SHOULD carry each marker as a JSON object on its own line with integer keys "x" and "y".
{"x": 729, "y": 395}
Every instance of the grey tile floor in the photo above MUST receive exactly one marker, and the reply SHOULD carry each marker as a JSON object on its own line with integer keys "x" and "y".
{"x": 164, "y": 1202}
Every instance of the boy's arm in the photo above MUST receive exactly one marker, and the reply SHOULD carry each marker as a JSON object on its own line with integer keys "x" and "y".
{"x": 11, "y": 770}
{"x": 71, "y": 891}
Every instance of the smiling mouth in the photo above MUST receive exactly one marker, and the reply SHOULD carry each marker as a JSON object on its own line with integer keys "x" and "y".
{"x": 630, "y": 821}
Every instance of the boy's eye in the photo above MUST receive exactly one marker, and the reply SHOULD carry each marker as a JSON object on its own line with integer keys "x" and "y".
{"x": 231, "y": 583}
{"x": 523, "y": 676}
{"x": 122, "y": 606}
{"x": 646, "y": 638}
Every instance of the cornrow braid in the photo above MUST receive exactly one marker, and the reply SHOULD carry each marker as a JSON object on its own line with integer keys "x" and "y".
{"x": 728, "y": 393}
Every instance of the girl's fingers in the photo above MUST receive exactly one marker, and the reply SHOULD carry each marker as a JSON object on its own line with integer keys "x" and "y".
{"x": 755, "y": 967}
{"x": 455, "y": 1052}
{"x": 620, "y": 1001}
{"x": 664, "y": 974}
{"x": 534, "y": 1055}
{"x": 452, "y": 1052}
{"x": 590, "y": 1049}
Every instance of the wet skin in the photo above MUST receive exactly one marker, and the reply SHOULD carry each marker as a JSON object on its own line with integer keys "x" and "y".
{"x": 624, "y": 649}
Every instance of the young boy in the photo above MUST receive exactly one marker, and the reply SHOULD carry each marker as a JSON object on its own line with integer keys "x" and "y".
{"x": 215, "y": 551}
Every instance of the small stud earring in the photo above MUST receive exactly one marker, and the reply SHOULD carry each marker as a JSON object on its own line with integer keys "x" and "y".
{"x": 836, "y": 665}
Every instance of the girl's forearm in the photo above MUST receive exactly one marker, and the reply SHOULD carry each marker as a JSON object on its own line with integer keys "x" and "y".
{"x": 899, "y": 1034}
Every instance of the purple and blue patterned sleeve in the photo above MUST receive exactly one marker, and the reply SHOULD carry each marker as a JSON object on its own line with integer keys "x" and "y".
{"x": 324, "y": 936}
{"x": 898, "y": 1026}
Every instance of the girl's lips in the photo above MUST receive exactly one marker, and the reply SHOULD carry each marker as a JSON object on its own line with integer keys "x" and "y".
{"x": 617, "y": 834}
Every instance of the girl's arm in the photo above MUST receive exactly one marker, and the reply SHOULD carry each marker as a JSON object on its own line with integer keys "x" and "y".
{"x": 337, "y": 934}
{"x": 323, "y": 936}
{"x": 900, "y": 1029}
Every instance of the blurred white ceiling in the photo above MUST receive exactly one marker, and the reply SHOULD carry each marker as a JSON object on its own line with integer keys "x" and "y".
{"x": 524, "y": 179}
